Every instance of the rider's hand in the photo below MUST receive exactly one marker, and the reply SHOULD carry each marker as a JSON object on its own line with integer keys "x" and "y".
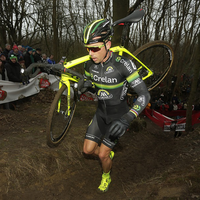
{"x": 58, "y": 67}
{"x": 86, "y": 84}
{"x": 119, "y": 127}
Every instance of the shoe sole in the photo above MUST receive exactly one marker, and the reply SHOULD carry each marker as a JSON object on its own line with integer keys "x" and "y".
{"x": 100, "y": 191}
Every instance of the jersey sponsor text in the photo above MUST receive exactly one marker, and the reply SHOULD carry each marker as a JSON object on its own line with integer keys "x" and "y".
{"x": 104, "y": 79}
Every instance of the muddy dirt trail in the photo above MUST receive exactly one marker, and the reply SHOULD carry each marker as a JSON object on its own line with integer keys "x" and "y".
{"x": 148, "y": 164}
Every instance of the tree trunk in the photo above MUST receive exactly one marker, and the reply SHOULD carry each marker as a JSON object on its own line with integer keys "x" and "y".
{"x": 55, "y": 31}
{"x": 193, "y": 91}
{"x": 120, "y": 10}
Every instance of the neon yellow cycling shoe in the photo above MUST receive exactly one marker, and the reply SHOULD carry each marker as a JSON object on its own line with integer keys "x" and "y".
{"x": 105, "y": 182}
{"x": 112, "y": 154}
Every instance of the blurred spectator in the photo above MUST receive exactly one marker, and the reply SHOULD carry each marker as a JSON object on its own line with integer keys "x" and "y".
{"x": 1, "y": 50}
{"x": 23, "y": 50}
{"x": 175, "y": 107}
{"x": 166, "y": 107}
{"x": 44, "y": 58}
{"x": 162, "y": 96}
{"x": 154, "y": 105}
{"x": 13, "y": 69}
{"x": 7, "y": 50}
{"x": 180, "y": 106}
{"x": 3, "y": 58}
{"x": 22, "y": 63}
{"x": 15, "y": 51}
{"x": 185, "y": 106}
{"x": 20, "y": 48}
{"x": 50, "y": 60}
{"x": 2, "y": 71}
{"x": 175, "y": 99}
{"x": 27, "y": 57}
{"x": 160, "y": 102}
{"x": 32, "y": 56}
{"x": 173, "y": 82}
{"x": 37, "y": 56}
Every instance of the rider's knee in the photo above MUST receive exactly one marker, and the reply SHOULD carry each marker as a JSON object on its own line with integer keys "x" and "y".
{"x": 87, "y": 150}
{"x": 89, "y": 147}
{"x": 103, "y": 156}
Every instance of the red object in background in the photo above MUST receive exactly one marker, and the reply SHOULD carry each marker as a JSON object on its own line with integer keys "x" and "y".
{"x": 3, "y": 94}
{"x": 167, "y": 123}
{"x": 84, "y": 97}
{"x": 44, "y": 83}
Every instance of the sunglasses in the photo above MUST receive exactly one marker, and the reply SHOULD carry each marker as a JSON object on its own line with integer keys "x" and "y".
{"x": 94, "y": 48}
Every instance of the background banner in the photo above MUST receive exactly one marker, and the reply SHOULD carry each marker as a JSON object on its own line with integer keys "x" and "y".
{"x": 170, "y": 124}
{"x": 11, "y": 91}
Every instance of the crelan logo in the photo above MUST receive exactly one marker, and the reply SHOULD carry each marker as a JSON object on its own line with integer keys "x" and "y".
{"x": 109, "y": 70}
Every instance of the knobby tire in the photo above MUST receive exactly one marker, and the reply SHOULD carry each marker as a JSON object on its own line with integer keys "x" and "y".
{"x": 158, "y": 56}
{"x": 58, "y": 123}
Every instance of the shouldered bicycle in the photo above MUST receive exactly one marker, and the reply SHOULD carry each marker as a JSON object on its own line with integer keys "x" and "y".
{"x": 153, "y": 61}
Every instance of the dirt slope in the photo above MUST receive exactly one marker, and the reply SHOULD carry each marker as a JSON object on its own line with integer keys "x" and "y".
{"x": 148, "y": 164}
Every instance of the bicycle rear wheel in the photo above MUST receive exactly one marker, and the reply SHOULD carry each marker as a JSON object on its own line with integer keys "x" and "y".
{"x": 58, "y": 122}
{"x": 158, "y": 56}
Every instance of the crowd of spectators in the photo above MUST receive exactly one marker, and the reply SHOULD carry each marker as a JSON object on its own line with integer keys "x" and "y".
{"x": 166, "y": 101}
{"x": 175, "y": 103}
{"x": 14, "y": 57}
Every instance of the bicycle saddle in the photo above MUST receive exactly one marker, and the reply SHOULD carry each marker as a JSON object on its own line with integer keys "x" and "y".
{"x": 134, "y": 17}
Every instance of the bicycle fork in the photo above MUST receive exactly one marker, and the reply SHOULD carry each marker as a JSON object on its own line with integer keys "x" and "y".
{"x": 70, "y": 88}
{"x": 67, "y": 111}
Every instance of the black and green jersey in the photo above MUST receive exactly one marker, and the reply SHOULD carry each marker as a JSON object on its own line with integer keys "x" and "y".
{"x": 111, "y": 80}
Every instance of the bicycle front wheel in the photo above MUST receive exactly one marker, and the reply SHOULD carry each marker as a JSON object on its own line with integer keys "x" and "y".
{"x": 158, "y": 56}
{"x": 59, "y": 121}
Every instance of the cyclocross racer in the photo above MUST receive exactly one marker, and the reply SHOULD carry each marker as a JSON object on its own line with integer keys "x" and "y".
{"x": 111, "y": 75}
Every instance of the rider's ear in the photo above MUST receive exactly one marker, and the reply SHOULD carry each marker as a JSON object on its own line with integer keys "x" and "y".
{"x": 108, "y": 44}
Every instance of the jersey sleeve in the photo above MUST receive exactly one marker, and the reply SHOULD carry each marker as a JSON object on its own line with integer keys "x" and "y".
{"x": 137, "y": 84}
{"x": 87, "y": 69}
{"x": 143, "y": 97}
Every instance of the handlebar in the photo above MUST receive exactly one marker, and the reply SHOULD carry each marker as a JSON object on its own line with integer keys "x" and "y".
{"x": 49, "y": 68}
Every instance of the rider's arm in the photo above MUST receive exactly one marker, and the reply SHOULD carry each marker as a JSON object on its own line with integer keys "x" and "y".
{"x": 87, "y": 74}
{"x": 87, "y": 78}
{"x": 119, "y": 127}
{"x": 137, "y": 84}
{"x": 140, "y": 88}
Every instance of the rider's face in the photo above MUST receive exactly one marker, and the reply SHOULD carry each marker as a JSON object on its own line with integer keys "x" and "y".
{"x": 98, "y": 51}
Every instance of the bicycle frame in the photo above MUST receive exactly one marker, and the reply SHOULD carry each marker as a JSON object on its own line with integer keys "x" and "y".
{"x": 122, "y": 50}
{"x": 119, "y": 49}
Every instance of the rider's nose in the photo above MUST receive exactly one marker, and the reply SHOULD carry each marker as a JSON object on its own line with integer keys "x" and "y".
{"x": 90, "y": 52}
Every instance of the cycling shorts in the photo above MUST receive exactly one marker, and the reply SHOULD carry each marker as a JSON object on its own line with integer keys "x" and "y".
{"x": 98, "y": 129}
